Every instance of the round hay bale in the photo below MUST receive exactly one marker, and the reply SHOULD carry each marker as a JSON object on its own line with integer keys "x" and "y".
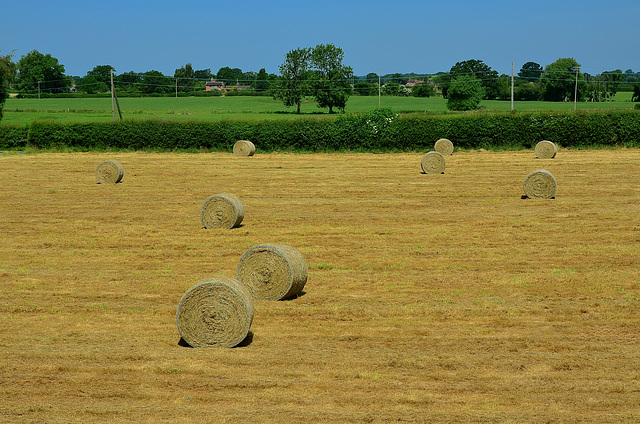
{"x": 444, "y": 147}
{"x": 244, "y": 148}
{"x": 540, "y": 184}
{"x": 433, "y": 163}
{"x": 216, "y": 312}
{"x": 272, "y": 271}
{"x": 109, "y": 172}
{"x": 223, "y": 210}
{"x": 546, "y": 150}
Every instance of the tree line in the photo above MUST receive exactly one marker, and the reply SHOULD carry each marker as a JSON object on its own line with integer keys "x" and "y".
{"x": 319, "y": 73}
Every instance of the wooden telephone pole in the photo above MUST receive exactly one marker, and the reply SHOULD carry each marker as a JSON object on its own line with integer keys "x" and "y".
{"x": 114, "y": 96}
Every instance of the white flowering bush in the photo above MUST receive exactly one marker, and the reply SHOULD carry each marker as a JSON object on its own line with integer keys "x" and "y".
{"x": 379, "y": 118}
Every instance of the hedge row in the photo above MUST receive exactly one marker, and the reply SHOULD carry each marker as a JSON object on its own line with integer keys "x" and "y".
{"x": 379, "y": 131}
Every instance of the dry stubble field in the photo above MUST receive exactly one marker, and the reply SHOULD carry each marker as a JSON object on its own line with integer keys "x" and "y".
{"x": 430, "y": 298}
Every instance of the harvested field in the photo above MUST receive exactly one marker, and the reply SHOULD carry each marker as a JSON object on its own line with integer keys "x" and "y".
{"x": 447, "y": 299}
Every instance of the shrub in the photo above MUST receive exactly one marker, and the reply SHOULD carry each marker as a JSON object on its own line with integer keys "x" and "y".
{"x": 380, "y": 130}
{"x": 465, "y": 93}
{"x": 13, "y": 136}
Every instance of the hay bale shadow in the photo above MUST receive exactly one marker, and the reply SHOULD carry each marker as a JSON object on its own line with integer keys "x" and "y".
{"x": 244, "y": 343}
{"x": 524, "y": 196}
{"x": 302, "y": 293}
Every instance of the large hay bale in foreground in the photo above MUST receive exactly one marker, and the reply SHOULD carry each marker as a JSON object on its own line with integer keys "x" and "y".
{"x": 216, "y": 312}
{"x": 223, "y": 210}
{"x": 540, "y": 184}
{"x": 109, "y": 172}
{"x": 272, "y": 271}
{"x": 444, "y": 147}
{"x": 244, "y": 148}
{"x": 546, "y": 149}
{"x": 433, "y": 163}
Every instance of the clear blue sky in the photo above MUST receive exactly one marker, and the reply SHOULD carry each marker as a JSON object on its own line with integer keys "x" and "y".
{"x": 404, "y": 36}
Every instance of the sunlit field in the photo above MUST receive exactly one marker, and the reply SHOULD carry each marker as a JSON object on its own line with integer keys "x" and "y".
{"x": 430, "y": 298}
{"x": 24, "y": 111}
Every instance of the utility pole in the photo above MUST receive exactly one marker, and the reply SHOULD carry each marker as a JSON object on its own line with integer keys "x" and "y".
{"x": 114, "y": 96}
{"x": 38, "y": 90}
{"x": 176, "y": 88}
{"x": 379, "y": 88}
{"x": 575, "y": 94}
{"x": 511, "y": 86}
{"x": 113, "y": 106}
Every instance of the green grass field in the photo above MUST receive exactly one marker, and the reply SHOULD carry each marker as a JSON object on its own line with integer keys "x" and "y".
{"x": 24, "y": 111}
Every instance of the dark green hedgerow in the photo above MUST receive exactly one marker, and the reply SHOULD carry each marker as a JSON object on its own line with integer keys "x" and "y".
{"x": 378, "y": 131}
{"x": 13, "y": 136}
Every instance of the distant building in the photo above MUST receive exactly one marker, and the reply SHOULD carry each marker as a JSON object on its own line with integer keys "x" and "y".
{"x": 413, "y": 82}
{"x": 214, "y": 84}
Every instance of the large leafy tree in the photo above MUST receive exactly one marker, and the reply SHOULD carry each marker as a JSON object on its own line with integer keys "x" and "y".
{"x": 442, "y": 80}
{"x": 102, "y": 73}
{"x": 465, "y": 93}
{"x": 530, "y": 71}
{"x": 155, "y": 82}
{"x": 97, "y": 80}
{"x": 372, "y": 78}
{"x": 261, "y": 82}
{"x": 203, "y": 74}
{"x": 528, "y": 91}
{"x": 293, "y": 85}
{"x": 488, "y": 77}
{"x": 423, "y": 89}
{"x": 35, "y": 67}
{"x": 7, "y": 73}
{"x": 186, "y": 77}
{"x": 363, "y": 88}
{"x": 559, "y": 80}
{"x": 90, "y": 84}
{"x": 128, "y": 80}
{"x": 229, "y": 75}
{"x": 331, "y": 85}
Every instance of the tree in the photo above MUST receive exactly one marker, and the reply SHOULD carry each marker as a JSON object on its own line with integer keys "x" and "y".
{"x": 102, "y": 73}
{"x": 442, "y": 80}
{"x": 229, "y": 75}
{"x": 128, "y": 80}
{"x": 203, "y": 74}
{"x": 424, "y": 89}
{"x": 636, "y": 93}
{"x": 487, "y": 76}
{"x": 630, "y": 76}
{"x": 363, "y": 88}
{"x": 293, "y": 85}
{"x": 604, "y": 86}
{"x": 397, "y": 78}
{"x": 528, "y": 91}
{"x": 90, "y": 84}
{"x": 37, "y": 71}
{"x": 261, "y": 82}
{"x": 331, "y": 85}
{"x": 7, "y": 73}
{"x": 465, "y": 93}
{"x": 559, "y": 80}
{"x": 98, "y": 80}
{"x": 395, "y": 89}
{"x": 247, "y": 78}
{"x": 530, "y": 71}
{"x": 155, "y": 82}
{"x": 185, "y": 77}
{"x": 372, "y": 78}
